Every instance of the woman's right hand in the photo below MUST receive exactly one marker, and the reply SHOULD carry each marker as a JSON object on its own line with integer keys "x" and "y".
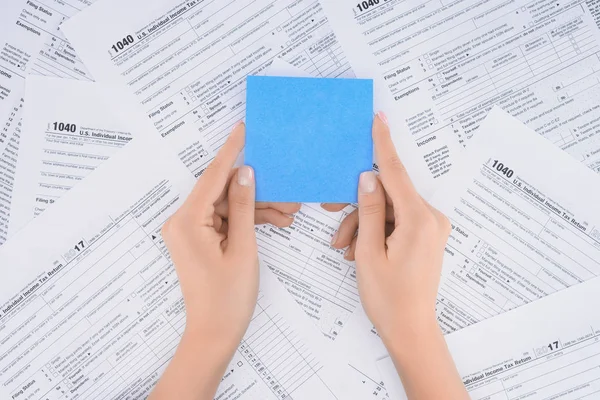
{"x": 398, "y": 272}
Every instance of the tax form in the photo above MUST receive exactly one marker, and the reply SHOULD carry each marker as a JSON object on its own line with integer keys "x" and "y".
{"x": 67, "y": 135}
{"x": 186, "y": 62}
{"x": 549, "y": 349}
{"x": 524, "y": 225}
{"x": 31, "y": 43}
{"x": 446, "y": 64}
{"x": 93, "y": 307}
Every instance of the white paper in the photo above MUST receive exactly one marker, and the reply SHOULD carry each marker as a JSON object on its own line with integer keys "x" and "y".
{"x": 93, "y": 309}
{"x": 31, "y": 43}
{"x": 548, "y": 349}
{"x": 186, "y": 62}
{"x": 517, "y": 236}
{"x": 70, "y": 127}
{"x": 281, "y": 68}
{"x": 446, "y": 64}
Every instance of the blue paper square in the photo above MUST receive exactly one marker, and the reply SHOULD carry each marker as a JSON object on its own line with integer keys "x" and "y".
{"x": 308, "y": 139}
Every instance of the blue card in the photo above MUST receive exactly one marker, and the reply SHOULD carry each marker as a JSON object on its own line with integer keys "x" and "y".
{"x": 308, "y": 139}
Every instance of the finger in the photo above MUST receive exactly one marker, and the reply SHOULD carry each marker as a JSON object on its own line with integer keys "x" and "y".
{"x": 443, "y": 221}
{"x": 349, "y": 254}
{"x": 346, "y": 231}
{"x": 223, "y": 195}
{"x": 241, "y": 235}
{"x": 389, "y": 229}
{"x": 211, "y": 185}
{"x": 273, "y": 217}
{"x": 217, "y": 222}
{"x": 333, "y": 207}
{"x": 389, "y": 214}
{"x": 224, "y": 228}
{"x": 371, "y": 216}
{"x": 351, "y": 250}
{"x": 392, "y": 172}
{"x": 286, "y": 208}
{"x": 349, "y": 226}
{"x": 222, "y": 207}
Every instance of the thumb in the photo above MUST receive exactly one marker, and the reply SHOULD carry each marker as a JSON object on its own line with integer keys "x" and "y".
{"x": 371, "y": 217}
{"x": 241, "y": 198}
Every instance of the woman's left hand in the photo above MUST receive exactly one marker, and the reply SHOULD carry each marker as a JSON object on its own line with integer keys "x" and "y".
{"x": 212, "y": 243}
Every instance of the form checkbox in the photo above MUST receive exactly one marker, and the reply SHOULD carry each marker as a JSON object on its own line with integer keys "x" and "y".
{"x": 531, "y": 24}
{"x": 239, "y": 364}
{"x": 288, "y": 43}
{"x": 133, "y": 294}
{"x": 479, "y": 255}
{"x": 278, "y": 29}
{"x": 55, "y": 374}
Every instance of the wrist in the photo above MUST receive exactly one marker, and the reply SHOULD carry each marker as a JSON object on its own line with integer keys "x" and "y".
{"x": 217, "y": 349}
{"x": 410, "y": 334}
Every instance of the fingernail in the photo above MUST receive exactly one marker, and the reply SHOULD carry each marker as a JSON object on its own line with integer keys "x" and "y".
{"x": 245, "y": 176}
{"x": 334, "y": 238}
{"x": 367, "y": 182}
{"x": 347, "y": 253}
{"x": 237, "y": 125}
{"x": 382, "y": 117}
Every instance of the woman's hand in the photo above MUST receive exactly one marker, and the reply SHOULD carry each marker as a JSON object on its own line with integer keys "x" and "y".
{"x": 398, "y": 266}
{"x": 398, "y": 272}
{"x": 346, "y": 234}
{"x": 212, "y": 243}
